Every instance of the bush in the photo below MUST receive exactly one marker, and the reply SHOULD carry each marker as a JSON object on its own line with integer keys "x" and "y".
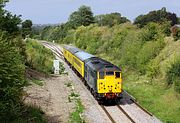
{"x": 173, "y": 75}
{"x": 177, "y": 35}
{"x": 11, "y": 78}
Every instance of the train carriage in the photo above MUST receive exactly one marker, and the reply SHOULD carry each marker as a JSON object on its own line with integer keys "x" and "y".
{"x": 80, "y": 57}
{"x": 68, "y": 52}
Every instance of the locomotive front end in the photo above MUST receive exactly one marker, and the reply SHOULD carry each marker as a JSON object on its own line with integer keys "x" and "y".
{"x": 109, "y": 84}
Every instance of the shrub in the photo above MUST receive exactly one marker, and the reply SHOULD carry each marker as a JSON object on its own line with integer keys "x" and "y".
{"x": 177, "y": 35}
{"x": 173, "y": 75}
{"x": 11, "y": 78}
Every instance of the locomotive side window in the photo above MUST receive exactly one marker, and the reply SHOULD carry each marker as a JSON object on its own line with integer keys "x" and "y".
{"x": 101, "y": 75}
{"x": 117, "y": 74}
{"x": 109, "y": 73}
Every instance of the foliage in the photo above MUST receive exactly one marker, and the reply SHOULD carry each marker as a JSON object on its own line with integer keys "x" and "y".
{"x": 46, "y": 32}
{"x": 76, "y": 115}
{"x": 12, "y": 72}
{"x": 26, "y": 28}
{"x": 110, "y": 19}
{"x": 83, "y": 16}
{"x": 11, "y": 78}
{"x": 173, "y": 75}
{"x": 156, "y": 16}
{"x": 61, "y": 68}
{"x": 8, "y": 22}
{"x": 28, "y": 113}
{"x": 177, "y": 34}
{"x": 39, "y": 57}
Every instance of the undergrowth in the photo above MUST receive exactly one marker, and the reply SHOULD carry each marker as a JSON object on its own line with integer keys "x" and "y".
{"x": 39, "y": 57}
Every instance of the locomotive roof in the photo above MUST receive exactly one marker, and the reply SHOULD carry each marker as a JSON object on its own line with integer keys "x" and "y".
{"x": 83, "y": 55}
{"x": 72, "y": 49}
{"x": 98, "y": 64}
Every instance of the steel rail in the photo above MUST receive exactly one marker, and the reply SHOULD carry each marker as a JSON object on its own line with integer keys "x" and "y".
{"x": 107, "y": 113}
{"x": 127, "y": 115}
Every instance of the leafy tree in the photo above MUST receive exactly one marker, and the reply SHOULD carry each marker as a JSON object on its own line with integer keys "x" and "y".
{"x": 110, "y": 19}
{"x": 26, "y": 28}
{"x": 8, "y": 22}
{"x": 159, "y": 16}
{"x": 83, "y": 16}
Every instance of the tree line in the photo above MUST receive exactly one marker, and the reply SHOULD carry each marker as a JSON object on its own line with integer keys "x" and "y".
{"x": 85, "y": 17}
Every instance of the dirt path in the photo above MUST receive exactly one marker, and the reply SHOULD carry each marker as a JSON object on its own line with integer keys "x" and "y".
{"x": 52, "y": 97}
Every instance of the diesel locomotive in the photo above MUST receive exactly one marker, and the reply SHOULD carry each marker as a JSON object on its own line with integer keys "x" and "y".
{"x": 103, "y": 79}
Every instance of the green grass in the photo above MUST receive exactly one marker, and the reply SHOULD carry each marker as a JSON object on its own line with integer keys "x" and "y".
{"x": 38, "y": 82}
{"x": 163, "y": 102}
{"x": 76, "y": 115}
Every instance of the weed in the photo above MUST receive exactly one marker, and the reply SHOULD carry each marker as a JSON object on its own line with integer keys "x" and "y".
{"x": 76, "y": 115}
{"x": 69, "y": 84}
{"x": 74, "y": 94}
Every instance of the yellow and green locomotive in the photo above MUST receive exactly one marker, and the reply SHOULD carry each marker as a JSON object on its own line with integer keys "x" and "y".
{"x": 103, "y": 79}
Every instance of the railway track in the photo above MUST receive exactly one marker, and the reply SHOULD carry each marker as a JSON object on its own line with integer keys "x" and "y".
{"x": 115, "y": 119}
{"x": 118, "y": 113}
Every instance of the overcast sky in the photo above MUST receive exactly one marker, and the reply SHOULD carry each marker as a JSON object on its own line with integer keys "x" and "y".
{"x": 58, "y": 11}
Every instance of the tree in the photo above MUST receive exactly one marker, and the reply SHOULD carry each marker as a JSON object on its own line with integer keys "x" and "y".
{"x": 26, "y": 28}
{"x": 110, "y": 19}
{"x": 8, "y": 22}
{"x": 159, "y": 16}
{"x": 83, "y": 16}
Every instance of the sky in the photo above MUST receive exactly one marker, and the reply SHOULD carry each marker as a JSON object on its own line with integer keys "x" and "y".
{"x": 58, "y": 11}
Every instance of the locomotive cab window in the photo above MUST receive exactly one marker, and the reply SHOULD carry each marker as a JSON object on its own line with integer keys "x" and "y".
{"x": 117, "y": 74}
{"x": 101, "y": 75}
{"x": 109, "y": 73}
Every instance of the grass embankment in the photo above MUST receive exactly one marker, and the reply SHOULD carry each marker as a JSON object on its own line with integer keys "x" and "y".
{"x": 39, "y": 57}
{"x": 163, "y": 102}
{"x": 149, "y": 62}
